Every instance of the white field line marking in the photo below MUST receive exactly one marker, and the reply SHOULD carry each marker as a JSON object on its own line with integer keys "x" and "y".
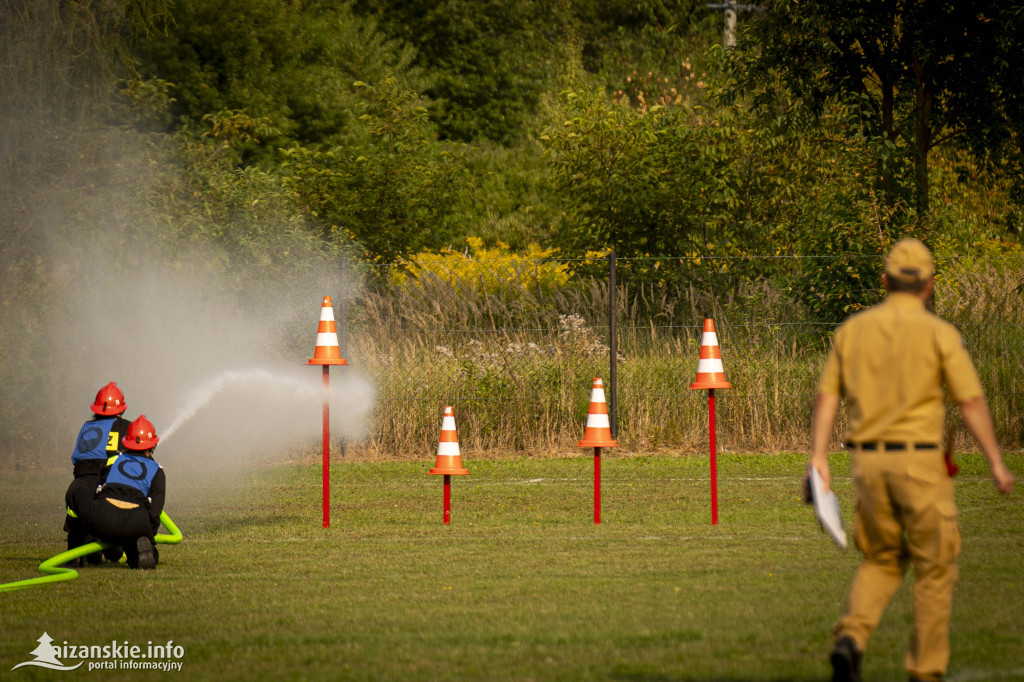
{"x": 427, "y": 538}
{"x": 548, "y": 481}
{"x": 971, "y": 675}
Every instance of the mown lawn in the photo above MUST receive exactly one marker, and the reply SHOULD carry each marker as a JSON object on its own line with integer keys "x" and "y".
{"x": 521, "y": 586}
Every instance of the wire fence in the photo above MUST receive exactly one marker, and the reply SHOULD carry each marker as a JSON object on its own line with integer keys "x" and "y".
{"x": 514, "y": 345}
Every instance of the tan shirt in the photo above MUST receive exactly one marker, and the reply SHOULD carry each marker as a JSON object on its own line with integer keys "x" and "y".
{"x": 891, "y": 362}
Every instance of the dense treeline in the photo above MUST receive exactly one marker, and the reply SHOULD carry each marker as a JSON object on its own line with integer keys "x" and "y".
{"x": 233, "y": 149}
{"x": 386, "y": 128}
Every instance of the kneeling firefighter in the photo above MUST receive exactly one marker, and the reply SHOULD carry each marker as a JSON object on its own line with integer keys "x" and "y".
{"x": 99, "y": 439}
{"x": 126, "y": 510}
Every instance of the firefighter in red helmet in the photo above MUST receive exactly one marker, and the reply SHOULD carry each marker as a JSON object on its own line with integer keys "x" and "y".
{"x": 126, "y": 510}
{"x": 99, "y": 439}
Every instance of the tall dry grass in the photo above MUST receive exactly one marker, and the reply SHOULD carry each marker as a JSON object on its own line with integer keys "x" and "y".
{"x": 985, "y": 299}
{"x": 516, "y": 358}
{"x": 517, "y": 362}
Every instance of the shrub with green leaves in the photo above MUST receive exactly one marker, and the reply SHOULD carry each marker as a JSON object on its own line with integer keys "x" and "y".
{"x": 392, "y": 184}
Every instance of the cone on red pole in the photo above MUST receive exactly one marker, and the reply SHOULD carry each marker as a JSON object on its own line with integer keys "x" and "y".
{"x": 327, "y": 351}
{"x": 597, "y": 435}
{"x": 598, "y": 432}
{"x": 711, "y": 375}
{"x": 449, "y": 459}
{"x": 710, "y": 372}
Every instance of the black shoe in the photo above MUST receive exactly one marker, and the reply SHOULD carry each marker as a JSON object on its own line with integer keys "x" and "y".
{"x": 845, "y": 661}
{"x": 147, "y": 553}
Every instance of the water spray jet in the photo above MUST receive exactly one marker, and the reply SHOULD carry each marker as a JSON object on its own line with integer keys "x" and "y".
{"x": 204, "y": 395}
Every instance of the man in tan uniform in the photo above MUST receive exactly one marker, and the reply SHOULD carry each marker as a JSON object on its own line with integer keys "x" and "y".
{"x": 891, "y": 362}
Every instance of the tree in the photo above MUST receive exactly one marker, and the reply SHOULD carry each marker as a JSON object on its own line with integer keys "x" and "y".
{"x": 619, "y": 35}
{"x": 491, "y": 59}
{"x": 60, "y": 61}
{"x": 292, "y": 63}
{"x": 921, "y": 73}
{"x": 392, "y": 185}
{"x": 667, "y": 184}
{"x": 46, "y": 652}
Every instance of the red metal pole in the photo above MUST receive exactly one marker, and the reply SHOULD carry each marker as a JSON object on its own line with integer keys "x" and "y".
{"x": 327, "y": 447}
{"x": 597, "y": 486}
{"x": 447, "y": 499}
{"x": 714, "y": 467}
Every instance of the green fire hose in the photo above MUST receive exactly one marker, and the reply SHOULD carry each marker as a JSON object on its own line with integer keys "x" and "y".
{"x": 57, "y": 572}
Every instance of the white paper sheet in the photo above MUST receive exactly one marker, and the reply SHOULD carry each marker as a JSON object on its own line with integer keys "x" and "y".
{"x": 826, "y": 508}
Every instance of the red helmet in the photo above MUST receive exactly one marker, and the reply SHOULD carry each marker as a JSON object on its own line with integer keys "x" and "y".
{"x": 109, "y": 401}
{"x": 141, "y": 434}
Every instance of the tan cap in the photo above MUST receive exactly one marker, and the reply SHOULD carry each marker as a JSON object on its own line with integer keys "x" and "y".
{"x": 909, "y": 261}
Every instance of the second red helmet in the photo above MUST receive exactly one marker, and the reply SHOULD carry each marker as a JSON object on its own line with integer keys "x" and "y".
{"x": 141, "y": 434}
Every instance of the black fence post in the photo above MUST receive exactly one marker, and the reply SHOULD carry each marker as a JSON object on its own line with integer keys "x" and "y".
{"x": 343, "y": 343}
{"x": 613, "y": 350}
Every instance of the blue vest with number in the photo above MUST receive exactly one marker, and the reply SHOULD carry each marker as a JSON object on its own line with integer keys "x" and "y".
{"x": 94, "y": 440}
{"x": 134, "y": 472}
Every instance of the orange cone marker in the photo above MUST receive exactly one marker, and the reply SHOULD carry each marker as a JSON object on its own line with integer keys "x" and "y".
{"x": 710, "y": 372}
{"x": 597, "y": 434}
{"x": 327, "y": 353}
{"x": 449, "y": 459}
{"x": 711, "y": 375}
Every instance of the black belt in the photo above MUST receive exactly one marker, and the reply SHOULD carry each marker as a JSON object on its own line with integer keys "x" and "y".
{"x": 878, "y": 445}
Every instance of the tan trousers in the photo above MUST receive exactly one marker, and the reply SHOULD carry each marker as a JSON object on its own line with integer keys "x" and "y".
{"x": 905, "y": 513}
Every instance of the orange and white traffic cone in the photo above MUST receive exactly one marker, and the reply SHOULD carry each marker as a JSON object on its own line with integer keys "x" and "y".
{"x": 597, "y": 435}
{"x": 449, "y": 459}
{"x": 598, "y": 432}
{"x": 710, "y": 372}
{"x": 711, "y": 375}
{"x": 327, "y": 351}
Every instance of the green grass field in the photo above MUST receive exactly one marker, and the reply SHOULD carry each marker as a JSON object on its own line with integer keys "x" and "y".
{"x": 521, "y": 586}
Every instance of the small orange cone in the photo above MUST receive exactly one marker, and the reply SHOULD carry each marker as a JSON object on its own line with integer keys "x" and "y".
{"x": 449, "y": 459}
{"x": 598, "y": 432}
{"x": 327, "y": 351}
{"x": 710, "y": 372}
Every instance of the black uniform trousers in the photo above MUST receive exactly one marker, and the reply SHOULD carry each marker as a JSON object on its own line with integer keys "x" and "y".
{"x": 78, "y": 533}
{"x": 114, "y": 524}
